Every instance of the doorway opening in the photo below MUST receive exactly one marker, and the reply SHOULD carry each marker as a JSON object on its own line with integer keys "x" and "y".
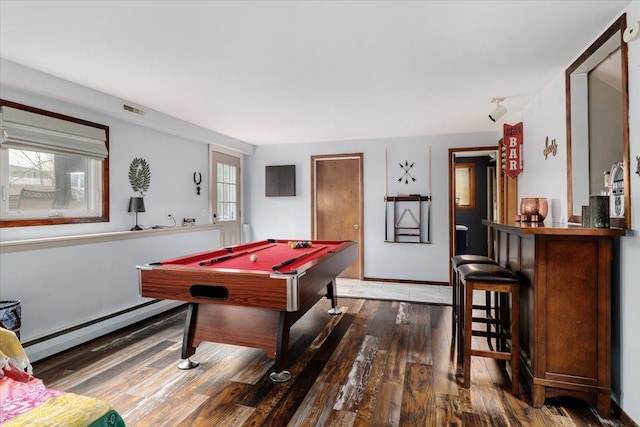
{"x": 475, "y": 192}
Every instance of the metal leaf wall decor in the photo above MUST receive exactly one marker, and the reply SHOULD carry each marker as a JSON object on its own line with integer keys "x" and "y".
{"x": 139, "y": 175}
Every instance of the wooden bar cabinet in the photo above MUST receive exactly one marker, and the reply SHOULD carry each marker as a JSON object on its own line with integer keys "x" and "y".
{"x": 565, "y": 307}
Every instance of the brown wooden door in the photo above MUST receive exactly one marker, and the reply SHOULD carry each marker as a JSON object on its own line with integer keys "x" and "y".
{"x": 337, "y": 202}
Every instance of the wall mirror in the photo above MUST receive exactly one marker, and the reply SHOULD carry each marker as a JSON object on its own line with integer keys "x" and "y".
{"x": 597, "y": 93}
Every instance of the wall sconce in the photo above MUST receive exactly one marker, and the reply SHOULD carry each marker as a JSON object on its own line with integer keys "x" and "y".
{"x": 499, "y": 111}
{"x": 136, "y": 204}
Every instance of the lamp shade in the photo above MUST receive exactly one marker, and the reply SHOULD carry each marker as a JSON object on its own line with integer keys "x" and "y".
{"x": 136, "y": 204}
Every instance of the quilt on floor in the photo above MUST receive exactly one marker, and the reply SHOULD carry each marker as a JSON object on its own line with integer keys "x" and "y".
{"x": 25, "y": 400}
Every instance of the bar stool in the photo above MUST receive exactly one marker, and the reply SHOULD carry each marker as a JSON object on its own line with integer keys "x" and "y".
{"x": 456, "y": 314}
{"x": 492, "y": 278}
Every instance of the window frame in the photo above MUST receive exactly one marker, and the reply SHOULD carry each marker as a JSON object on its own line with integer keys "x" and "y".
{"x": 104, "y": 215}
{"x": 226, "y": 185}
{"x": 471, "y": 167}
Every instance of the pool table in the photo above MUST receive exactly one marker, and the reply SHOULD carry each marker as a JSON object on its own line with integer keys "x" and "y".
{"x": 250, "y": 294}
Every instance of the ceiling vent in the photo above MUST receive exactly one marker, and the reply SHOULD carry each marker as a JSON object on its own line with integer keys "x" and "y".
{"x": 133, "y": 110}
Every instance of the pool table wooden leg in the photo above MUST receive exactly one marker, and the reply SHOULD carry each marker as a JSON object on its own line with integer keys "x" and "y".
{"x": 332, "y": 295}
{"x": 188, "y": 349}
{"x": 282, "y": 350}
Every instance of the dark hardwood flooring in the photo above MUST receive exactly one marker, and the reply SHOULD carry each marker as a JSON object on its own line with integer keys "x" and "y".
{"x": 380, "y": 363}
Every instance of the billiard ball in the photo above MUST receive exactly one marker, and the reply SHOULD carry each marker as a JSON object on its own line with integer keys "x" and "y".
{"x": 253, "y": 258}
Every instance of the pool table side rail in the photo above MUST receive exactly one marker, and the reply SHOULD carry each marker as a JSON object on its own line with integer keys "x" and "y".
{"x": 322, "y": 273}
{"x": 347, "y": 245}
{"x": 252, "y": 289}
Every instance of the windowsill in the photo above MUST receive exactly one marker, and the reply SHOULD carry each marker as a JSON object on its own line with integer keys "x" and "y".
{"x": 83, "y": 239}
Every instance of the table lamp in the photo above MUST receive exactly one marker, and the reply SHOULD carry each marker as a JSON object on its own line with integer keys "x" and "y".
{"x": 136, "y": 204}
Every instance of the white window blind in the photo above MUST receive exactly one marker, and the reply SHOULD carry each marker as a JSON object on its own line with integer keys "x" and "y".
{"x": 24, "y": 130}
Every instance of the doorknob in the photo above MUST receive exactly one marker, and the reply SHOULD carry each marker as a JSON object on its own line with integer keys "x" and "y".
{"x": 356, "y": 226}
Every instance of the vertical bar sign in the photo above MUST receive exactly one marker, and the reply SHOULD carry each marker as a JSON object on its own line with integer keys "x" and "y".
{"x": 512, "y": 150}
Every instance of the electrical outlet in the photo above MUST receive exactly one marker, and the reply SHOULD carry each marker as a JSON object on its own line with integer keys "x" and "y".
{"x": 169, "y": 215}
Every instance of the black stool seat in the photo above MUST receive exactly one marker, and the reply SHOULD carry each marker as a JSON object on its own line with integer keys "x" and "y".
{"x": 487, "y": 272}
{"x": 459, "y": 260}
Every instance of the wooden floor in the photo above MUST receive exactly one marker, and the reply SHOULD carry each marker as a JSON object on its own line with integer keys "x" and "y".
{"x": 380, "y": 363}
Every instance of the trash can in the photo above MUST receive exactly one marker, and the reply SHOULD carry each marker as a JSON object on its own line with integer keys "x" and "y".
{"x": 461, "y": 239}
{"x": 11, "y": 316}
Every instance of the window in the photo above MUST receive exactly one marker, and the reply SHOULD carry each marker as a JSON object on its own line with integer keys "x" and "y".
{"x": 54, "y": 168}
{"x": 226, "y": 194}
{"x": 465, "y": 186}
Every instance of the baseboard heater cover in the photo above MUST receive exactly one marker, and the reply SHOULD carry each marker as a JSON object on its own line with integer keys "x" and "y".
{"x": 88, "y": 323}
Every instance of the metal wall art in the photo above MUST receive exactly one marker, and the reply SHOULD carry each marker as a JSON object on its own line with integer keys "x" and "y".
{"x": 197, "y": 179}
{"x": 550, "y": 148}
{"x": 406, "y": 168}
{"x": 139, "y": 175}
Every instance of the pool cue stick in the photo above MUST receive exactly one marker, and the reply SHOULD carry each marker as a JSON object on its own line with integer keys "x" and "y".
{"x": 386, "y": 190}
{"x": 429, "y": 198}
{"x": 294, "y": 259}
{"x": 234, "y": 255}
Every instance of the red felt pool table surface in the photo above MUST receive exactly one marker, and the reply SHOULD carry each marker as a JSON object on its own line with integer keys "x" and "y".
{"x": 270, "y": 253}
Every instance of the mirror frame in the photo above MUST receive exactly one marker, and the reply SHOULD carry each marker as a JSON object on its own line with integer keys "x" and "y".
{"x": 618, "y": 26}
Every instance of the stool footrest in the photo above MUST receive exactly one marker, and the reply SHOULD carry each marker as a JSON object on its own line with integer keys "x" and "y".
{"x": 484, "y": 334}
{"x": 501, "y": 355}
{"x": 483, "y": 307}
{"x": 486, "y": 320}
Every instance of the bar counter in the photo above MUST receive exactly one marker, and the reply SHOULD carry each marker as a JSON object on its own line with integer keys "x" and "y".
{"x": 565, "y": 300}
{"x": 557, "y": 229}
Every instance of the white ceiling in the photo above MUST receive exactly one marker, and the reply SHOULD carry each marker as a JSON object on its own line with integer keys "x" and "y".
{"x": 298, "y": 71}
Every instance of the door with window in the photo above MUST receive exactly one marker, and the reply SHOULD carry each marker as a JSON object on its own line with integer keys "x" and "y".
{"x": 225, "y": 196}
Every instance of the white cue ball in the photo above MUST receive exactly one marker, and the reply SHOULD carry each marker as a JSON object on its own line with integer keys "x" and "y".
{"x": 253, "y": 258}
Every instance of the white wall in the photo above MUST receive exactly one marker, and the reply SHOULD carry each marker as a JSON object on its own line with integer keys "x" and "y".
{"x": 289, "y": 217}
{"x": 173, "y": 148}
{"x": 172, "y": 161}
{"x": 545, "y": 117}
{"x": 629, "y": 315}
